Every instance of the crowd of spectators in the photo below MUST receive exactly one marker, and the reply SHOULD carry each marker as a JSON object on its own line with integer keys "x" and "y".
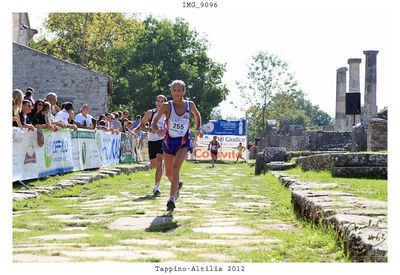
{"x": 46, "y": 114}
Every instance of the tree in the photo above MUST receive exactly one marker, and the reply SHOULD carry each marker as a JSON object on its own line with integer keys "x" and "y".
{"x": 267, "y": 75}
{"x": 161, "y": 52}
{"x": 85, "y": 38}
{"x": 271, "y": 92}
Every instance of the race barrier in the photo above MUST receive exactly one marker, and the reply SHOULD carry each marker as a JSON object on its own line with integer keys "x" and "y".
{"x": 66, "y": 151}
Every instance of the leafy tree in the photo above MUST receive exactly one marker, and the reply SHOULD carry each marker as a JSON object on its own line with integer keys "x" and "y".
{"x": 84, "y": 38}
{"x": 267, "y": 75}
{"x": 161, "y": 52}
{"x": 271, "y": 92}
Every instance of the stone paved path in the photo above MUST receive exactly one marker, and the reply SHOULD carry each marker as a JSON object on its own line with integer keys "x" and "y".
{"x": 216, "y": 220}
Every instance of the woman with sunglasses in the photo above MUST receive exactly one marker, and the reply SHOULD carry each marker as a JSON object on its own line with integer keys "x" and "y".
{"x": 36, "y": 109}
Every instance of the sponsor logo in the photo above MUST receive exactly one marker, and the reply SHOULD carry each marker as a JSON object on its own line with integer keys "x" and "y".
{"x": 48, "y": 156}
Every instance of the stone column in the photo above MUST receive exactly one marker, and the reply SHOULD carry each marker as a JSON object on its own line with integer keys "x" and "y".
{"x": 340, "y": 99}
{"x": 354, "y": 87}
{"x": 370, "y": 108}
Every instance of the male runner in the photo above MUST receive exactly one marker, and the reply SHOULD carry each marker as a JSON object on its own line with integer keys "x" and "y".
{"x": 176, "y": 142}
{"x": 213, "y": 147}
{"x": 155, "y": 141}
{"x": 240, "y": 151}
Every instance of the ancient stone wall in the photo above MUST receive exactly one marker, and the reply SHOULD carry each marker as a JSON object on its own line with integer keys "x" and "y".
{"x": 344, "y": 164}
{"x": 325, "y": 141}
{"x": 69, "y": 81}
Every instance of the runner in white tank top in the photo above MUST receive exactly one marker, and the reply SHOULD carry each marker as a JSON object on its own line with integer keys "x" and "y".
{"x": 176, "y": 142}
{"x": 155, "y": 142}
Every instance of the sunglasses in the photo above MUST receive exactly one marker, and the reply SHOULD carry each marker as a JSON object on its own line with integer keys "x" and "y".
{"x": 40, "y": 104}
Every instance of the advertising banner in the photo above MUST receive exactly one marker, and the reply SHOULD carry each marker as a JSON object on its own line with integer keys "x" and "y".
{"x": 224, "y": 127}
{"x": 229, "y": 135}
{"x": 201, "y": 153}
{"x": 55, "y": 156}
{"x": 85, "y": 152}
{"x": 142, "y": 149}
{"x": 109, "y": 147}
{"x": 128, "y": 144}
{"x": 25, "y": 159}
{"x": 225, "y": 141}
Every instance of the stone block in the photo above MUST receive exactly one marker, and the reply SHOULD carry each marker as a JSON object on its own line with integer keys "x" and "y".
{"x": 377, "y": 134}
{"x": 274, "y": 154}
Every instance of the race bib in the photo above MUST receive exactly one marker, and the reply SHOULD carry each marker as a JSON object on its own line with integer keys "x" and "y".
{"x": 178, "y": 127}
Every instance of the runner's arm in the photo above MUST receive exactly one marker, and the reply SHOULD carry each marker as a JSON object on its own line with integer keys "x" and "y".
{"x": 145, "y": 119}
{"x": 164, "y": 109}
{"x": 197, "y": 118}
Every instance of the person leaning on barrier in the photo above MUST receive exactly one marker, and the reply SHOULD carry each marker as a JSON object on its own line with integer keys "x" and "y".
{"x": 38, "y": 106}
{"x": 64, "y": 115}
{"x": 23, "y": 118}
{"x": 17, "y": 98}
{"x": 83, "y": 119}
{"x": 39, "y": 120}
{"x": 116, "y": 124}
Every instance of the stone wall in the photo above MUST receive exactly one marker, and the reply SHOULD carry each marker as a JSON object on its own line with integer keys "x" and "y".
{"x": 325, "y": 141}
{"x": 71, "y": 82}
{"x": 344, "y": 164}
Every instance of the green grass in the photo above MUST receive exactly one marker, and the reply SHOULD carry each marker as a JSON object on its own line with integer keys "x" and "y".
{"x": 308, "y": 243}
{"x": 375, "y": 189}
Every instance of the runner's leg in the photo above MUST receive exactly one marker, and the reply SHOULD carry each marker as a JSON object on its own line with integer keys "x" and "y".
{"x": 159, "y": 160}
{"x": 175, "y": 169}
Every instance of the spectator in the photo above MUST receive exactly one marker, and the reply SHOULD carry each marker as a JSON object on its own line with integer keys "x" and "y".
{"x": 29, "y": 95}
{"x": 103, "y": 126}
{"x": 38, "y": 108}
{"x": 18, "y": 97}
{"x": 101, "y": 118}
{"x": 119, "y": 116}
{"x": 65, "y": 114}
{"x": 39, "y": 120}
{"x": 83, "y": 119}
{"x": 110, "y": 119}
{"x": 52, "y": 99}
{"x": 23, "y": 118}
{"x": 116, "y": 124}
{"x": 126, "y": 128}
{"x": 94, "y": 123}
{"x": 136, "y": 122}
{"x": 125, "y": 114}
{"x": 249, "y": 146}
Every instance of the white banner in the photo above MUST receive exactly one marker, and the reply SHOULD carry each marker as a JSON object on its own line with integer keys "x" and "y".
{"x": 25, "y": 159}
{"x": 225, "y": 141}
{"x": 109, "y": 147}
{"x": 85, "y": 152}
{"x": 201, "y": 153}
{"x": 55, "y": 156}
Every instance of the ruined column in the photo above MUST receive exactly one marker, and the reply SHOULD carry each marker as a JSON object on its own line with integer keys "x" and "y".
{"x": 354, "y": 87}
{"x": 370, "y": 108}
{"x": 340, "y": 99}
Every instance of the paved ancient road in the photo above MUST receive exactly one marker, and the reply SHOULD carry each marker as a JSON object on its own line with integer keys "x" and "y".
{"x": 224, "y": 214}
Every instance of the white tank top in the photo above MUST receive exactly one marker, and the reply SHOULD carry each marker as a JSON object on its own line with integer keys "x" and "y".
{"x": 178, "y": 125}
{"x": 160, "y": 125}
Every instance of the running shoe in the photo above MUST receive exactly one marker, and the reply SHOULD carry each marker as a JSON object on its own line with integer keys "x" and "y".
{"x": 179, "y": 188}
{"x": 156, "y": 192}
{"x": 170, "y": 205}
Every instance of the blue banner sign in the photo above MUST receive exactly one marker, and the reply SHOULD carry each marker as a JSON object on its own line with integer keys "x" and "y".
{"x": 225, "y": 127}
